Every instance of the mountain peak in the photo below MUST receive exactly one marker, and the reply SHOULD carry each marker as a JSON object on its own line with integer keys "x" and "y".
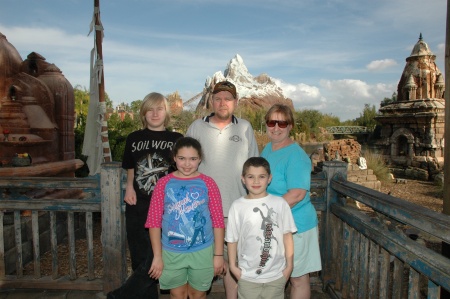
{"x": 260, "y": 91}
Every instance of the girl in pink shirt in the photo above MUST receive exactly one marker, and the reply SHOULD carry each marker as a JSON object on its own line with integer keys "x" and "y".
{"x": 186, "y": 225}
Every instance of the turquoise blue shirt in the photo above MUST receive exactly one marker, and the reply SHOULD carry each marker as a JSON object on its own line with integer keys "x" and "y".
{"x": 291, "y": 169}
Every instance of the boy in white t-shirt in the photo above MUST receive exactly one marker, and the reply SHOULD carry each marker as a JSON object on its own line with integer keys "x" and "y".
{"x": 259, "y": 234}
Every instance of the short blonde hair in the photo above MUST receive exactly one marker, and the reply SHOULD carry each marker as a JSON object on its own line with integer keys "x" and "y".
{"x": 151, "y": 100}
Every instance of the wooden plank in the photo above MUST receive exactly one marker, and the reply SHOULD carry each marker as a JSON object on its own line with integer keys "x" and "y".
{"x": 337, "y": 248}
{"x": 435, "y": 266}
{"x": 397, "y": 279}
{"x": 53, "y": 245}
{"x": 113, "y": 238}
{"x": 48, "y": 169}
{"x": 434, "y": 223}
{"x": 413, "y": 284}
{"x": 75, "y": 205}
{"x": 72, "y": 254}
{"x": 324, "y": 230}
{"x": 354, "y": 266}
{"x": 363, "y": 267}
{"x": 18, "y": 237}
{"x": 2, "y": 247}
{"x": 385, "y": 265}
{"x": 434, "y": 291}
{"x": 346, "y": 253}
{"x": 36, "y": 249}
{"x": 90, "y": 245}
{"x": 53, "y": 183}
{"x": 373, "y": 283}
{"x": 46, "y": 282}
{"x": 319, "y": 204}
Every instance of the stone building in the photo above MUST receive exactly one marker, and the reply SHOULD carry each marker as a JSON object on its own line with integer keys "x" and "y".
{"x": 36, "y": 114}
{"x": 412, "y": 126}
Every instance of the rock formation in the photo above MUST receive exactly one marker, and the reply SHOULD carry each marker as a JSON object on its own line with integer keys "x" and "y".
{"x": 254, "y": 92}
{"x": 348, "y": 150}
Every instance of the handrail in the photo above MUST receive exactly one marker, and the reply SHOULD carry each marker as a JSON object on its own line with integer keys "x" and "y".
{"x": 425, "y": 260}
{"x": 429, "y": 221}
{"x": 45, "y": 182}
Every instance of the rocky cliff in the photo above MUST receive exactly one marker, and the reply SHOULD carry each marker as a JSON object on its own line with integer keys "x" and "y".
{"x": 254, "y": 92}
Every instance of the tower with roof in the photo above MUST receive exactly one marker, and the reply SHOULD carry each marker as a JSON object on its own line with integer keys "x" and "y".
{"x": 412, "y": 126}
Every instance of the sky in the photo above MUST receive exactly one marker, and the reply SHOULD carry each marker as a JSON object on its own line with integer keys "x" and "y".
{"x": 333, "y": 56}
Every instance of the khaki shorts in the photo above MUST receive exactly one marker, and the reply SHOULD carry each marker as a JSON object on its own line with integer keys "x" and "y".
{"x": 268, "y": 290}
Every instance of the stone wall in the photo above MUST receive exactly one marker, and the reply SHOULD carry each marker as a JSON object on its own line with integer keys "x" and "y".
{"x": 363, "y": 177}
{"x": 346, "y": 150}
{"x": 410, "y": 173}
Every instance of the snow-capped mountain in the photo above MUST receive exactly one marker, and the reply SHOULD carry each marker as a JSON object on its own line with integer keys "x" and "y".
{"x": 256, "y": 92}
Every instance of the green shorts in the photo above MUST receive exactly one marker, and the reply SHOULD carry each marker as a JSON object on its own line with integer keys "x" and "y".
{"x": 306, "y": 253}
{"x": 195, "y": 268}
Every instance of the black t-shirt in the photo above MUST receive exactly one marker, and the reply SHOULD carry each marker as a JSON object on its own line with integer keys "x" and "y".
{"x": 149, "y": 154}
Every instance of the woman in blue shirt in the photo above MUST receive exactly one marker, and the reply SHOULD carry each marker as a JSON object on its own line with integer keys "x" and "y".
{"x": 291, "y": 179}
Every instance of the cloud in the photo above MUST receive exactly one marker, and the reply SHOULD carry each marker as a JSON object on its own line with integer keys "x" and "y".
{"x": 302, "y": 95}
{"x": 342, "y": 98}
{"x": 377, "y": 65}
{"x": 347, "y": 88}
{"x": 346, "y": 98}
{"x": 47, "y": 39}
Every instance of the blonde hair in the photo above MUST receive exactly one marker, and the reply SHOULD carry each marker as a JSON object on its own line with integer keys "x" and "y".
{"x": 151, "y": 100}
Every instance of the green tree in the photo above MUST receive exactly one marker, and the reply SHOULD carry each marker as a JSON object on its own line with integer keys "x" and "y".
{"x": 254, "y": 116}
{"x": 81, "y": 111}
{"x": 308, "y": 121}
{"x": 81, "y": 105}
{"x": 309, "y": 117}
{"x": 118, "y": 130}
{"x": 387, "y": 101}
{"x": 135, "y": 107}
{"x": 329, "y": 120}
{"x": 181, "y": 122}
{"x": 367, "y": 117}
{"x": 82, "y": 99}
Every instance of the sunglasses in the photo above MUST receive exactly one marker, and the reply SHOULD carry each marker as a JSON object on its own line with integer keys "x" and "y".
{"x": 281, "y": 123}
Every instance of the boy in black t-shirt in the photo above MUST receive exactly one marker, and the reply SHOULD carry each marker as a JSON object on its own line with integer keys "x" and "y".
{"x": 147, "y": 157}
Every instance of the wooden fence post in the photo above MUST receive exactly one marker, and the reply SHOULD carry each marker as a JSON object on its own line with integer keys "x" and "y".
{"x": 329, "y": 267}
{"x": 113, "y": 227}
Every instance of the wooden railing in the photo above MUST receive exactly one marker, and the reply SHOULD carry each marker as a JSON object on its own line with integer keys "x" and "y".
{"x": 371, "y": 255}
{"x": 99, "y": 194}
{"x": 364, "y": 255}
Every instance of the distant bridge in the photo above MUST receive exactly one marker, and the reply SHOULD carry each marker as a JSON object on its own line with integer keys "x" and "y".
{"x": 194, "y": 98}
{"x": 349, "y": 130}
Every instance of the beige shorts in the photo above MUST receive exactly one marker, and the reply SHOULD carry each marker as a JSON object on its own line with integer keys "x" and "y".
{"x": 268, "y": 290}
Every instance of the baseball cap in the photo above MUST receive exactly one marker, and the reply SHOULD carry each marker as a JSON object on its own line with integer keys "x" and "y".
{"x": 225, "y": 86}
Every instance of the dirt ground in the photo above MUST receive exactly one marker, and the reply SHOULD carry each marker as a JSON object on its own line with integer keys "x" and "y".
{"x": 423, "y": 193}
